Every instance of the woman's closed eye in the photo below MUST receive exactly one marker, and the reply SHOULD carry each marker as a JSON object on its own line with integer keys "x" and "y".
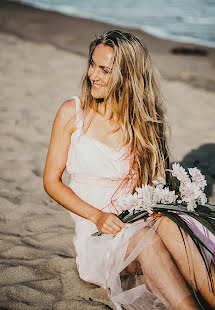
{"x": 105, "y": 71}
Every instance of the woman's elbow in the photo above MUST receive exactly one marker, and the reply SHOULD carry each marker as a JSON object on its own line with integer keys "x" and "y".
{"x": 49, "y": 184}
{"x": 46, "y": 185}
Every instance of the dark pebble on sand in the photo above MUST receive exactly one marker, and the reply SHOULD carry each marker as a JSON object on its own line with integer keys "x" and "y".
{"x": 194, "y": 51}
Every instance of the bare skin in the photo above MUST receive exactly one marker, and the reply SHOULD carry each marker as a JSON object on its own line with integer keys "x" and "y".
{"x": 108, "y": 223}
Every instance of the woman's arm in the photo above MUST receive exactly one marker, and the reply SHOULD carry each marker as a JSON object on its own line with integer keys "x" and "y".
{"x": 63, "y": 126}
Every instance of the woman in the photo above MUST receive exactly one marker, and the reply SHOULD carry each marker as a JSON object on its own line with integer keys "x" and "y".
{"x": 111, "y": 140}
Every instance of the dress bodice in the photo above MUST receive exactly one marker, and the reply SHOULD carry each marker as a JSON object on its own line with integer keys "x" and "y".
{"x": 97, "y": 170}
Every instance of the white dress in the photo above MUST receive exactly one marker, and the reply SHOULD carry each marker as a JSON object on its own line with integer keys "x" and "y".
{"x": 96, "y": 172}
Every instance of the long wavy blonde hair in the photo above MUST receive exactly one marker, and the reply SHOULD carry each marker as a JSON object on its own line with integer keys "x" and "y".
{"x": 137, "y": 101}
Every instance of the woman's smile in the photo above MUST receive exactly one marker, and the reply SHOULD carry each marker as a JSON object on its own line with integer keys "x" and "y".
{"x": 96, "y": 85}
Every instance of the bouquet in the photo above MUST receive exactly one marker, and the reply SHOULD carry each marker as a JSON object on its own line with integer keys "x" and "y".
{"x": 184, "y": 194}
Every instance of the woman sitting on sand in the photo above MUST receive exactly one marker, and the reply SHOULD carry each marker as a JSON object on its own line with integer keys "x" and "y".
{"x": 111, "y": 140}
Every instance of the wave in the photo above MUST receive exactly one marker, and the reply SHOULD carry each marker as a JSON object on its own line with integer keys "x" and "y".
{"x": 200, "y": 20}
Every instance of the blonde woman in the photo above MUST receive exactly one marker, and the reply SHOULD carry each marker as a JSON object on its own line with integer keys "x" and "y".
{"x": 112, "y": 139}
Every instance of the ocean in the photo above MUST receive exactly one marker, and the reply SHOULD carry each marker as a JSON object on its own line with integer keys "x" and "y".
{"x": 179, "y": 20}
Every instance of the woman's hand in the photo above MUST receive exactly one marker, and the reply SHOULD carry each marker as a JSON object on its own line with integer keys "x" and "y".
{"x": 108, "y": 223}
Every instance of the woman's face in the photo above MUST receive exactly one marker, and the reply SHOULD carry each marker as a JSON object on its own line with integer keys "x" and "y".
{"x": 100, "y": 69}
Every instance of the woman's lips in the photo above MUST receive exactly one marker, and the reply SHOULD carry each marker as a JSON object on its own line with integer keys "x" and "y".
{"x": 96, "y": 85}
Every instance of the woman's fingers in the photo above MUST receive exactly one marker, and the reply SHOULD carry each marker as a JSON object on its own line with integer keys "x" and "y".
{"x": 109, "y": 223}
{"x": 107, "y": 230}
{"x": 118, "y": 222}
{"x": 115, "y": 223}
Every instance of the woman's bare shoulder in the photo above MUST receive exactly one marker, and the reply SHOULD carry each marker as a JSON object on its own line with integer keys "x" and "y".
{"x": 66, "y": 115}
{"x": 68, "y": 108}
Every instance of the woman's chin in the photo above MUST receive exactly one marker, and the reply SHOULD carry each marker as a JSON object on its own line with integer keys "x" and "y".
{"x": 97, "y": 95}
{"x": 98, "y": 92}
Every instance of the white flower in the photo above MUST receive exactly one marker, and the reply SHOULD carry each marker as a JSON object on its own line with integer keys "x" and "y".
{"x": 144, "y": 191}
{"x": 147, "y": 196}
{"x": 191, "y": 205}
{"x": 134, "y": 201}
{"x": 146, "y": 205}
{"x": 157, "y": 194}
{"x": 129, "y": 202}
{"x": 189, "y": 191}
{"x": 168, "y": 196}
{"x": 197, "y": 178}
{"x": 202, "y": 199}
{"x": 180, "y": 173}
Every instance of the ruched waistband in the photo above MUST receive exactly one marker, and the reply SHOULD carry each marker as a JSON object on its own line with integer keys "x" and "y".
{"x": 120, "y": 186}
{"x": 86, "y": 179}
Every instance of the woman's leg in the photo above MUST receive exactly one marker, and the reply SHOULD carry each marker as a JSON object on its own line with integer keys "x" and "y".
{"x": 160, "y": 272}
{"x": 205, "y": 292}
{"x": 194, "y": 270}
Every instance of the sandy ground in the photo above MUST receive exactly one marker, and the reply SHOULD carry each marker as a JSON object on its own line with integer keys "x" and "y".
{"x": 38, "y": 269}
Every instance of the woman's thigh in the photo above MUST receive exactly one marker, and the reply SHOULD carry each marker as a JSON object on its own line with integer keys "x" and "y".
{"x": 183, "y": 251}
{"x": 141, "y": 239}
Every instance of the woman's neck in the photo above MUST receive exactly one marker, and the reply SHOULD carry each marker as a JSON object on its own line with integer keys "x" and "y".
{"x": 104, "y": 110}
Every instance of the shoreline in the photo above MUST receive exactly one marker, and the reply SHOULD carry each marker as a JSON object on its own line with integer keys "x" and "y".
{"x": 74, "y": 34}
{"x": 180, "y": 38}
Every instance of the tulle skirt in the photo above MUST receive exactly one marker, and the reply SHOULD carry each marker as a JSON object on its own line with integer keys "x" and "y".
{"x": 135, "y": 266}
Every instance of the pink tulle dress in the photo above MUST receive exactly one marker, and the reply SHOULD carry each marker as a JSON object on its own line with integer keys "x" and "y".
{"x": 97, "y": 170}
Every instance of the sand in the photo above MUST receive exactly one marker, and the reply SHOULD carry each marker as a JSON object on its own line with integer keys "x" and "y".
{"x": 38, "y": 269}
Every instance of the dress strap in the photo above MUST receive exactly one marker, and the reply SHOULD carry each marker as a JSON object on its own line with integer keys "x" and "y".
{"x": 79, "y": 113}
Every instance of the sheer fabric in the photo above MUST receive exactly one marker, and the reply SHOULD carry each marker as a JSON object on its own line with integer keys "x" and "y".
{"x": 135, "y": 262}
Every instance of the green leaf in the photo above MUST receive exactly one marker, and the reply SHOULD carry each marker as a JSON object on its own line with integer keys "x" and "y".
{"x": 98, "y": 233}
{"x": 194, "y": 292}
{"x": 136, "y": 217}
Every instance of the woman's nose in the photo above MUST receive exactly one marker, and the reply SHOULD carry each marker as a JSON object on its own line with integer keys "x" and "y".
{"x": 95, "y": 74}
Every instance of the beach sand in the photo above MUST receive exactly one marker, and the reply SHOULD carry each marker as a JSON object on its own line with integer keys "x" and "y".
{"x": 43, "y": 56}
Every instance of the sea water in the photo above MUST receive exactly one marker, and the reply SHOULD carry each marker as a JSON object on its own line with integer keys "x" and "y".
{"x": 180, "y": 20}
